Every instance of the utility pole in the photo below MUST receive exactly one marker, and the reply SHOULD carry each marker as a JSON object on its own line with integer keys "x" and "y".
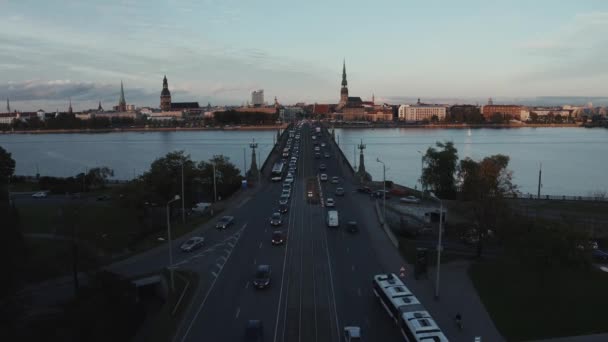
{"x": 540, "y": 172}
{"x": 183, "y": 197}
{"x": 214, "y": 185}
{"x": 244, "y": 162}
{"x": 355, "y": 156}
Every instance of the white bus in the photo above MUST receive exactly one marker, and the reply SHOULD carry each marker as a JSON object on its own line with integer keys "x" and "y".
{"x": 332, "y": 218}
{"x": 277, "y": 169}
{"x": 415, "y": 323}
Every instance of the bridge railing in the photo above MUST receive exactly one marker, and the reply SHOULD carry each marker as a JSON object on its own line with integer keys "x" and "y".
{"x": 601, "y": 198}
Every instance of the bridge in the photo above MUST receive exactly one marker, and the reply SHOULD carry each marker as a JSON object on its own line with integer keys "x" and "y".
{"x": 321, "y": 278}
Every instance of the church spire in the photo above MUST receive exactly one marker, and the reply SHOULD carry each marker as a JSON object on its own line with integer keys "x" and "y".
{"x": 70, "y": 107}
{"x": 99, "y": 108}
{"x": 165, "y": 83}
{"x": 344, "y": 83}
{"x": 122, "y": 103}
{"x": 8, "y": 106}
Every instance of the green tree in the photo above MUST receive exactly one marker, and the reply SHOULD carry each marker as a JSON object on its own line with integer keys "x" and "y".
{"x": 497, "y": 118}
{"x": 438, "y": 174}
{"x": 533, "y": 117}
{"x": 7, "y": 169}
{"x": 98, "y": 177}
{"x": 164, "y": 179}
{"x": 228, "y": 176}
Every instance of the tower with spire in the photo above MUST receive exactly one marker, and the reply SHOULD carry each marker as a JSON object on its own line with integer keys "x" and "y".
{"x": 100, "y": 108}
{"x": 165, "y": 96}
{"x": 122, "y": 103}
{"x": 70, "y": 111}
{"x": 344, "y": 90}
{"x": 8, "y": 106}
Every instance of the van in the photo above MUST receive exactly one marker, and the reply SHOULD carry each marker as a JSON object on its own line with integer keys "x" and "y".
{"x": 332, "y": 218}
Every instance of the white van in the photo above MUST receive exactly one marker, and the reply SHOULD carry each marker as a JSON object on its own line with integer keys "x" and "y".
{"x": 332, "y": 218}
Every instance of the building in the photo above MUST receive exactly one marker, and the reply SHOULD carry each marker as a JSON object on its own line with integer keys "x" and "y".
{"x": 165, "y": 96}
{"x": 122, "y": 103}
{"x": 352, "y": 104}
{"x": 421, "y": 112}
{"x": 7, "y": 118}
{"x": 512, "y": 111}
{"x": 257, "y": 98}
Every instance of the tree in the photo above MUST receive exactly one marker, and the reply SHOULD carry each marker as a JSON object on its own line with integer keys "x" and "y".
{"x": 97, "y": 177}
{"x": 434, "y": 119}
{"x": 486, "y": 183}
{"x": 497, "y": 118}
{"x": 438, "y": 175}
{"x": 7, "y": 169}
{"x": 533, "y": 117}
{"x": 164, "y": 179}
{"x": 228, "y": 176}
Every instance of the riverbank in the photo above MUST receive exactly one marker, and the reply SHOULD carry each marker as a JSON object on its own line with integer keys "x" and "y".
{"x": 460, "y": 126}
{"x": 149, "y": 129}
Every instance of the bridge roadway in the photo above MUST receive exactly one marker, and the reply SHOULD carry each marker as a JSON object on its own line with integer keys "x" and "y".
{"x": 321, "y": 278}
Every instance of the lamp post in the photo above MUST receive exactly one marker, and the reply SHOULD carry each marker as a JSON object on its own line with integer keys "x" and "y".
{"x": 176, "y": 198}
{"x": 183, "y": 197}
{"x": 383, "y": 189}
{"x": 214, "y": 185}
{"x": 439, "y": 247}
{"x": 421, "y": 171}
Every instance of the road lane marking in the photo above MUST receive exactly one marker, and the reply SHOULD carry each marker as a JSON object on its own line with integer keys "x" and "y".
{"x": 230, "y": 244}
{"x": 352, "y": 267}
{"x": 260, "y": 245}
{"x": 359, "y": 292}
{"x": 219, "y": 266}
{"x": 214, "y": 274}
{"x": 247, "y": 284}
{"x": 238, "y": 311}
{"x": 347, "y": 250}
{"x": 200, "y": 308}
{"x": 255, "y": 261}
{"x": 223, "y": 258}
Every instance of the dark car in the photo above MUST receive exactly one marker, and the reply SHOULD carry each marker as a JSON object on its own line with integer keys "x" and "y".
{"x": 352, "y": 227}
{"x": 317, "y": 155}
{"x": 381, "y": 193}
{"x": 322, "y": 167}
{"x": 599, "y": 255}
{"x": 254, "y": 332}
{"x": 339, "y": 192}
{"x": 283, "y": 208}
{"x": 278, "y": 238}
{"x": 262, "y": 277}
{"x": 276, "y": 219}
{"x": 224, "y": 222}
{"x": 103, "y": 197}
{"x": 326, "y": 155}
{"x": 364, "y": 190}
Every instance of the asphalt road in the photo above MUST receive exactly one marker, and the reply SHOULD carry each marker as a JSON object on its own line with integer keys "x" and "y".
{"x": 321, "y": 278}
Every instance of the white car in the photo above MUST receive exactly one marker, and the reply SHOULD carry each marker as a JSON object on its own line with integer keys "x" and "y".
{"x": 322, "y": 144}
{"x": 330, "y": 203}
{"x": 284, "y": 199}
{"x": 276, "y": 179}
{"x": 410, "y": 199}
{"x": 323, "y": 177}
{"x": 286, "y": 192}
{"x": 192, "y": 244}
{"x": 289, "y": 178}
{"x": 41, "y": 194}
{"x": 335, "y": 180}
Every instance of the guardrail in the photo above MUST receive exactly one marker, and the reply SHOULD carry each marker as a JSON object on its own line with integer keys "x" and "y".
{"x": 342, "y": 155}
{"x": 559, "y": 198}
{"x": 269, "y": 158}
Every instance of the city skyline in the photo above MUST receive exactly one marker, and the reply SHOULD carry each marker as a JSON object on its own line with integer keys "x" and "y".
{"x": 442, "y": 51}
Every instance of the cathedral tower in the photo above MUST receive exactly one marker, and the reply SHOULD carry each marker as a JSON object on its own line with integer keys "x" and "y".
{"x": 165, "y": 96}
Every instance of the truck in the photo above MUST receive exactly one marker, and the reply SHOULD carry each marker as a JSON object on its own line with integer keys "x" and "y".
{"x": 332, "y": 218}
{"x": 312, "y": 190}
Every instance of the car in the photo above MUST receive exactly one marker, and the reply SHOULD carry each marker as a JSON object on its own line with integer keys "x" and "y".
{"x": 283, "y": 208}
{"x": 276, "y": 179}
{"x": 103, "y": 197}
{"x": 262, "y": 276}
{"x": 40, "y": 194}
{"x": 322, "y": 167}
{"x": 284, "y": 199}
{"x": 314, "y": 137}
{"x": 335, "y": 180}
{"x": 286, "y": 186}
{"x": 352, "y": 334}
{"x": 381, "y": 194}
{"x": 292, "y": 170}
{"x": 278, "y": 238}
{"x": 289, "y": 178}
{"x": 410, "y": 199}
{"x": 326, "y": 155}
{"x": 364, "y": 190}
{"x": 339, "y": 192}
{"x": 329, "y": 202}
{"x": 317, "y": 155}
{"x": 317, "y": 149}
{"x": 352, "y": 227}
{"x": 322, "y": 144}
{"x": 225, "y": 222}
{"x": 286, "y": 192}
{"x": 323, "y": 177}
{"x": 285, "y": 154}
{"x": 599, "y": 255}
{"x": 193, "y": 243}
{"x": 254, "y": 331}
{"x": 276, "y": 219}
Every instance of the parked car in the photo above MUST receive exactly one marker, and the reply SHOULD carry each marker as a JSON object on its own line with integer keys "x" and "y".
{"x": 193, "y": 243}
{"x": 40, "y": 194}
{"x": 276, "y": 219}
{"x": 278, "y": 238}
{"x": 262, "y": 276}
{"x": 352, "y": 227}
{"x": 410, "y": 199}
{"x": 225, "y": 222}
{"x": 330, "y": 203}
{"x": 323, "y": 177}
{"x": 339, "y": 192}
{"x": 254, "y": 331}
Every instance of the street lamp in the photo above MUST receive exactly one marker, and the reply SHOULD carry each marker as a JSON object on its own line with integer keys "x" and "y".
{"x": 439, "y": 247}
{"x": 383, "y": 189}
{"x": 176, "y": 198}
{"x": 421, "y": 172}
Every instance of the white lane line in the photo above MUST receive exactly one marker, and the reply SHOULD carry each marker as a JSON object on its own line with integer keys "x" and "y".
{"x": 331, "y": 278}
{"x": 347, "y": 249}
{"x": 218, "y": 266}
{"x": 255, "y": 261}
{"x": 200, "y": 308}
{"x": 223, "y": 258}
{"x": 359, "y": 292}
{"x": 214, "y": 274}
{"x": 238, "y": 311}
{"x": 231, "y": 244}
{"x": 352, "y": 267}
{"x": 247, "y": 284}
{"x": 260, "y": 245}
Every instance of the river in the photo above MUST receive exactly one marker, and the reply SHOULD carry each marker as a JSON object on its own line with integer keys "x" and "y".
{"x": 574, "y": 160}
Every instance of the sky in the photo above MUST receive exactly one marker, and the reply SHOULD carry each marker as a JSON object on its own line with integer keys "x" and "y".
{"x": 218, "y": 51}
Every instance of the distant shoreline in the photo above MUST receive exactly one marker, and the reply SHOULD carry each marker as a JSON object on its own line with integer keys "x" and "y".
{"x": 149, "y": 129}
{"x": 461, "y": 126}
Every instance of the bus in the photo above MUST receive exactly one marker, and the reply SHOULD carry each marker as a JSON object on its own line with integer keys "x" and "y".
{"x": 277, "y": 168}
{"x": 332, "y": 218}
{"x": 414, "y": 322}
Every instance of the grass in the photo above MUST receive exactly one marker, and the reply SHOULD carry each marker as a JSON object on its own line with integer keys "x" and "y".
{"x": 523, "y": 306}
{"x": 407, "y": 248}
{"x": 167, "y": 320}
